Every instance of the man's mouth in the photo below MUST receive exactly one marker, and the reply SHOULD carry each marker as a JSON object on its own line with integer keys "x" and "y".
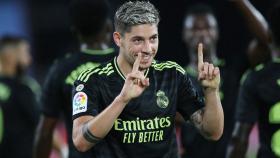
{"x": 145, "y": 56}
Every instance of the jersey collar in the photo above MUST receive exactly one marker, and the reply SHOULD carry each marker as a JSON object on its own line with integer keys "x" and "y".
{"x": 121, "y": 74}
{"x": 98, "y": 52}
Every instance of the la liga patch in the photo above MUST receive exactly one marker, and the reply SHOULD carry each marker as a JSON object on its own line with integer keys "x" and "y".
{"x": 79, "y": 103}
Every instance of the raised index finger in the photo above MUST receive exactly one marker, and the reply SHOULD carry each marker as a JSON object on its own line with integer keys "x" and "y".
{"x": 136, "y": 63}
{"x": 200, "y": 55}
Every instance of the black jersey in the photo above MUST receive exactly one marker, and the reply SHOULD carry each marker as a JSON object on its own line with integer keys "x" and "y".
{"x": 259, "y": 101}
{"x": 145, "y": 128}
{"x": 18, "y": 118}
{"x": 57, "y": 90}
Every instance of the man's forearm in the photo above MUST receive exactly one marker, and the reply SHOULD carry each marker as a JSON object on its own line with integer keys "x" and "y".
{"x": 102, "y": 124}
{"x": 238, "y": 143}
{"x": 210, "y": 120}
{"x": 213, "y": 116}
{"x": 98, "y": 126}
{"x": 236, "y": 148}
{"x": 43, "y": 147}
{"x": 43, "y": 139}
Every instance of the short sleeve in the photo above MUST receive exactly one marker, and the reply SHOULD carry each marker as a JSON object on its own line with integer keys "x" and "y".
{"x": 189, "y": 100}
{"x": 51, "y": 99}
{"x": 85, "y": 98}
{"x": 246, "y": 108}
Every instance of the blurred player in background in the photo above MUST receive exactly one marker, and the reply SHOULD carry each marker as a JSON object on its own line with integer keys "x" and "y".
{"x": 92, "y": 25}
{"x": 18, "y": 101}
{"x": 201, "y": 26}
{"x": 259, "y": 97}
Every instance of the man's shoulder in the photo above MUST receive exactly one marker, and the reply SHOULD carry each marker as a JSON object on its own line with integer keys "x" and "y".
{"x": 32, "y": 83}
{"x": 167, "y": 65}
{"x": 60, "y": 64}
{"x": 102, "y": 71}
{"x": 72, "y": 60}
{"x": 254, "y": 75}
{"x": 69, "y": 59}
{"x": 259, "y": 70}
{"x": 70, "y": 66}
{"x": 5, "y": 89}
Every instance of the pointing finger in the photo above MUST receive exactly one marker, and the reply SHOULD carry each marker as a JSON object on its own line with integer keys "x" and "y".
{"x": 200, "y": 55}
{"x": 137, "y": 63}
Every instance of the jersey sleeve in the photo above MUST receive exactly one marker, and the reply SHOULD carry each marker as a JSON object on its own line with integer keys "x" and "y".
{"x": 51, "y": 99}
{"x": 246, "y": 108}
{"x": 189, "y": 100}
{"x": 85, "y": 98}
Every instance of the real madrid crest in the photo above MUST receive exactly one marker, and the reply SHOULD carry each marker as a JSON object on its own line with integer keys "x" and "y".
{"x": 162, "y": 100}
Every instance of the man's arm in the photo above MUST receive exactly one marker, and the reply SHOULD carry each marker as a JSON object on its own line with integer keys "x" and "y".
{"x": 246, "y": 115}
{"x": 210, "y": 119}
{"x": 259, "y": 48}
{"x": 239, "y": 141}
{"x": 98, "y": 126}
{"x": 88, "y": 130}
{"x": 255, "y": 21}
{"x": 44, "y": 136}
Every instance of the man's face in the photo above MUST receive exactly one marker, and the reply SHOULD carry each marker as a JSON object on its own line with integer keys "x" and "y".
{"x": 141, "y": 39}
{"x": 200, "y": 29}
{"x": 8, "y": 56}
{"x": 24, "y": 57}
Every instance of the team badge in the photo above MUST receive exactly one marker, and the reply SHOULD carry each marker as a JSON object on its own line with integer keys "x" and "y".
{"x": 80, "y": 87}
{"x": 79, "y": 103}
{"x": 162, "y": 99}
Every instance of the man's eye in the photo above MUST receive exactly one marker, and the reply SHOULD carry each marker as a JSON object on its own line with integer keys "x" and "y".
{"x": 137, "y": 41}
{"x": 153, "y": 39}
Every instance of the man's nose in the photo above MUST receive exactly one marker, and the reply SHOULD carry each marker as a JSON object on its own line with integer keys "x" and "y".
{"x": 147, "y": 48}
{"x": 201, "y": 33}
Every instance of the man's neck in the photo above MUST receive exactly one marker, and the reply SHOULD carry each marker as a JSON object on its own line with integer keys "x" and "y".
{"x": 123, "y": 65}
{"x": 94, "y": 46}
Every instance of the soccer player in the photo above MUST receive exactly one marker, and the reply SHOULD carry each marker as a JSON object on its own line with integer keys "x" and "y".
{"x": 126, "y": 107}
{"x": 258, "y": 101}
{"x": 18, "y": 104}
{"x": 200, "y": 26}
{"x": 92, "y": 25}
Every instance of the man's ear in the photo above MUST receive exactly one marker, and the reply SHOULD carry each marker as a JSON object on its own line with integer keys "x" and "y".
{"x": 117, "y": 38}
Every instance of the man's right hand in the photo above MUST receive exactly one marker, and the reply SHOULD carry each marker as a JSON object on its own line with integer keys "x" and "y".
{"x": 208, "y": 74}
{"x": 135, "y": 82}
